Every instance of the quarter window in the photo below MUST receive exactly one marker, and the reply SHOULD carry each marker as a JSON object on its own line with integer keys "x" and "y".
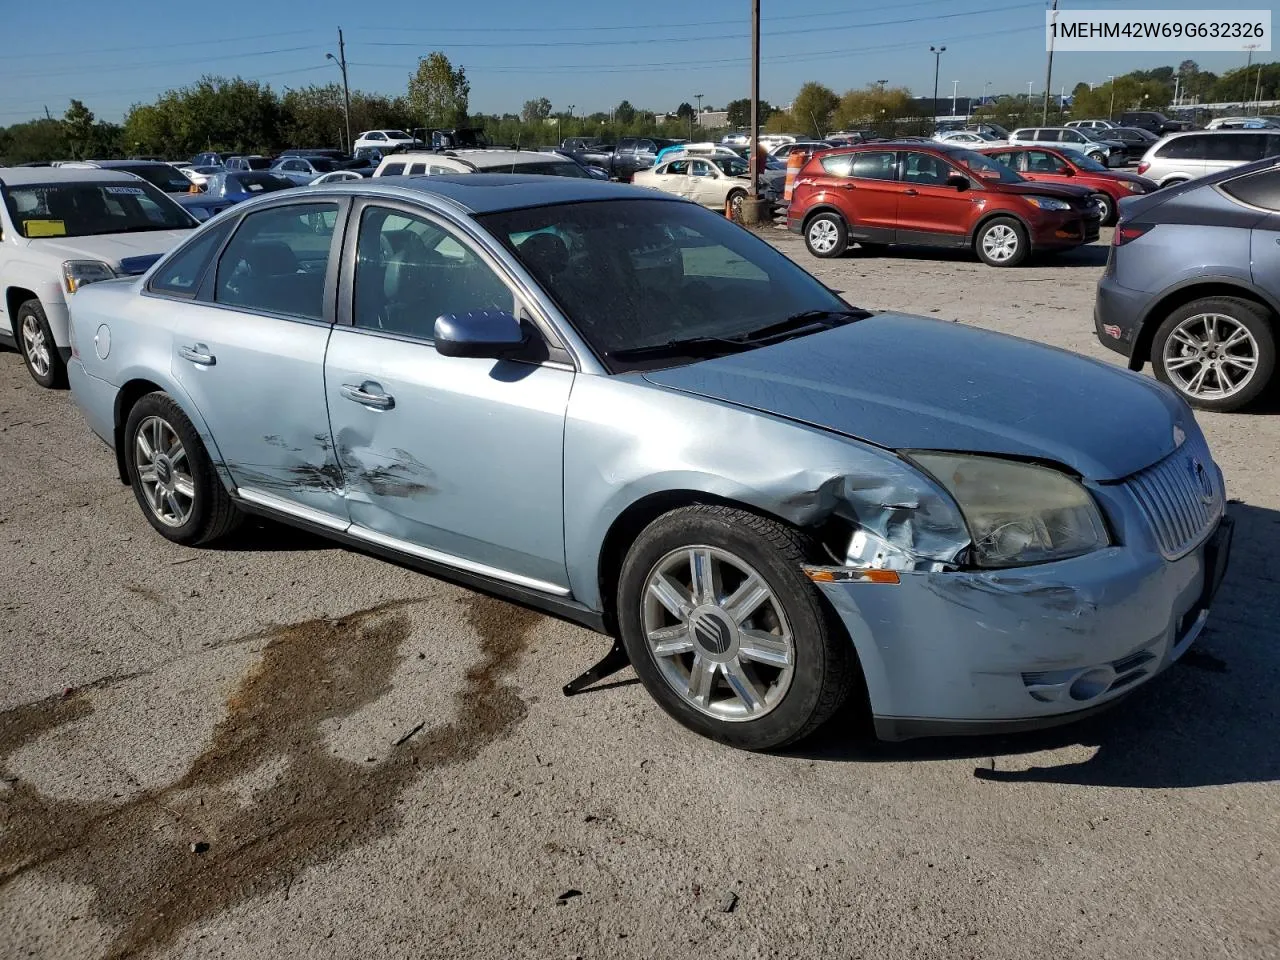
{"x": 393, "y": 170}
{"x": 277, "y": 260}
{"x": 181, "y": 273}
{"x": 1259, "y": 189}
{"x": 409, "y": 272}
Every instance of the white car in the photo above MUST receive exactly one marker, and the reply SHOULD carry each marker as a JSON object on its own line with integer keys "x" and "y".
{"x": 1180, "y": 157}
{"x": 336, "y": 176}
{"x": 200, "y": 175}
{"x": 61, "y": 229}
{"x": 1092, "y": 124}
{"x": 385, "y": 140}
{"x": 431, "y": 164}
{"x": 771, "y": 140}
{"x": 710, "y": 181}
{"x": 1240, "y": 123}
{"x": 970, "y": 138}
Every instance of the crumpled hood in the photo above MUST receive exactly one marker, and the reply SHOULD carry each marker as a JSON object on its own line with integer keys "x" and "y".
{"x": 115, "y": 247}
{"x": 905, "y": 382}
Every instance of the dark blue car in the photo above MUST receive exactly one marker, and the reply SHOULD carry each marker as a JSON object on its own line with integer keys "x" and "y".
{"x": 234, "y": 186}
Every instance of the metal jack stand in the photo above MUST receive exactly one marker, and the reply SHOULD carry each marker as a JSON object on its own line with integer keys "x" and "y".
{"x": 612, "y": 662}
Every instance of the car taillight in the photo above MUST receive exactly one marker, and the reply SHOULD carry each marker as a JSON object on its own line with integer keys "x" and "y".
{"x": 1143, "y": 167}
{"x": 1128, "y": 232}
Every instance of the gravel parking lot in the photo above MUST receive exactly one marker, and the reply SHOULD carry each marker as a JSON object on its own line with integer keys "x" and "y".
{"x": 280, "y": 748}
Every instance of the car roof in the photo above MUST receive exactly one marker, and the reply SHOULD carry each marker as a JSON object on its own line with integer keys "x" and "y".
{"x": 493, "y": 192}
{"x": 21, "y": 176}
{"x": 478, "y": 156}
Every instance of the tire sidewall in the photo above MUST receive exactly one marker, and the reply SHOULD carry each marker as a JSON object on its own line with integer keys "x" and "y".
{"x": 1024, "y": 243}
{"x": 1243, "y": 312}
{"x": 809, "y": 622}
{"x": 57, "y": 369}
{"x": 842, "y": 235}
{"x": 1108, "y": 208}
{"x": 202, "y": 472}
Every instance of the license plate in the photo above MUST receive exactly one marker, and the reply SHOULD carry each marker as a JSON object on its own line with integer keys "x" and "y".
{"x": 1217, "y": 555}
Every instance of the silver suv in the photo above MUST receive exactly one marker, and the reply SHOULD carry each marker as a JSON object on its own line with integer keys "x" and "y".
{"x": 1067, "y": 137}
{"x": 1180, "y": 157}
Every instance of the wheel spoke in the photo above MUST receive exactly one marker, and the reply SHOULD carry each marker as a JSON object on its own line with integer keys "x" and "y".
{"x": 172, "y": 500}
{"x": 702, "y": 576}
{"x": 670, "y": 641}
{"x": 1244, "y": 363}
{"x": 144, "y": 446}
{"x": 740, "y": 681}
{"x": 1197, "y": 382}
{"x": 183, "y": 485}
{"x": 1239, "y": 336}
{"x": 701, "y": 676}
{"x": 764, "y": 648}
{"x": 147, "y": 474}
{"x": 671, "y": 595}
{"x": 1187, "y": 340}
{"x": 746, "y": 599}
{"x": 1177, "y": 363}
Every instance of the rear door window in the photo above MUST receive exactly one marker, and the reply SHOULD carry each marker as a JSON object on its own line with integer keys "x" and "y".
{"x": 1238, "y": 148}
{"x": 278, "y": 259}
{"x": 875, "y": 166}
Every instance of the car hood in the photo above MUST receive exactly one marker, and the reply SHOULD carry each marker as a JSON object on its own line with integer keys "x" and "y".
{"x": 117, "y": 248}
{"x": 1044, "y": 188}
{"x": 904, "y": 383}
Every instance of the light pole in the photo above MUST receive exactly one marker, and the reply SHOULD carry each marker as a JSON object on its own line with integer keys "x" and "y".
{"x": 1248, "y": 62}
{"x": 955, "y": 86}
{"x": 882, "y": 84}
{"x": 341, "y": 61}
{"x": 1111, "y": 110}
{"x": 937, "y": 64}
{"x": 754, "y": 167}
{"x": 1048, "y": 71}
{"x": 698, "y": 97}
{"x": 986, "y": 86}
{"x": 570, "y": 115}
{"x": 1257, "y": 92}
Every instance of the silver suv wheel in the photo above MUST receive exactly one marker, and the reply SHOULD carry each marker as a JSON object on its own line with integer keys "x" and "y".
{"x": 1210, "y": 356}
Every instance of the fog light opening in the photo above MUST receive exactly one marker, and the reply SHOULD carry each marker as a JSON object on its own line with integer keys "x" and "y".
{"x": 1092, "y": 683}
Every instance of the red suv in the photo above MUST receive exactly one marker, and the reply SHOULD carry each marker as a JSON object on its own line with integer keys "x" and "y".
{"x": 934, "y": 194}
{"x": 1047, "y": 165}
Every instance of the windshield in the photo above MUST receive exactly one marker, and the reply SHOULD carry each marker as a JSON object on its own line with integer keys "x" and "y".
{"x": 92, "y": 209}
{"x": 1086, "y": 163}
{"x": 397, "y": 135}
{"x": 323, "y": 164}
{"x": 634, "y": 273}
{"x": 257, "y": 182}
{"x": 984, "y": 167}
{"x": 160, "y": 175}
{"x": 566, "y": 168}
{"x": 733, "y": 166}
{"x": 255, "y": 163}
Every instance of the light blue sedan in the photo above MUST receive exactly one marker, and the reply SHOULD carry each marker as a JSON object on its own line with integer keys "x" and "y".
{"x": 621, "y": 408}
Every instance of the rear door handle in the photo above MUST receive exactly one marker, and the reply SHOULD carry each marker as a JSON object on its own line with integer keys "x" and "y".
{"x": 199, "y": 354}
{"x": 848, "y": 186}
{"x": 910, "y": 193}
{"x": 365, "y": 394}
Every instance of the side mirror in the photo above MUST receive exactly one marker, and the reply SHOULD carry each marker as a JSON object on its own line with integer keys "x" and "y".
{"x": 491, "y": 334}
{"x": 959, "y": 181}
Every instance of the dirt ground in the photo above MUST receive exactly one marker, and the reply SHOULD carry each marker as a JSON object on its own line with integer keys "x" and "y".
{"x": 279, "y": 748}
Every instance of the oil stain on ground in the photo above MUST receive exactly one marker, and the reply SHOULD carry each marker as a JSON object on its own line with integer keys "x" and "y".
{"x": 146, "y": 859}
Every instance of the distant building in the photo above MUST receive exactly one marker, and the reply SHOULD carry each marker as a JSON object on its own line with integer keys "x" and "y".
{"x": 713, "y": 118}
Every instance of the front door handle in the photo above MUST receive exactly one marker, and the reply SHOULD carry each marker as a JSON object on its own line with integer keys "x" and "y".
{"x": 367, "y": 397}
{"x": 910, "y": 193}
{"x": 198, "y": 354}
{"x": 848, "y": 186}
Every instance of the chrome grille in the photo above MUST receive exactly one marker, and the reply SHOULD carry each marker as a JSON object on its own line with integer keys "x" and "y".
{"x": 1181, "y": 497}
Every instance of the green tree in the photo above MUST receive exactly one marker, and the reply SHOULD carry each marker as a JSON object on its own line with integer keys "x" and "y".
{"x": 535, "y": 111}
{"x": 685, "y": 111}
{"x": 813, "y": 106}
{"x": 312, "y": 116}
{"x": 439, "y": 93}
{"x": 625, "y": 113}
{"x": 35, "y": 141}
{"x": 740, "y": 112}
{"x": 80, "y": 131}
{"x": 871, "y": 105}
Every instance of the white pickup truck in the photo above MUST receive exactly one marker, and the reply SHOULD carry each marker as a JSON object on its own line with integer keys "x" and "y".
{"x": 61, "y": 229}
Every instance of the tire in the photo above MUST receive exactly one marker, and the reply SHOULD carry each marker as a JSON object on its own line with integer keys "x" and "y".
{"x": 1107, "y": 206}
{"x": 802, "y": 665}
{"x": 735, "y": 200}
{"x": 199, "y": 509}
{"x": 826, "y": 236}
{"x": 1226, "y": 385}
{"x": 1002, "y": 242}
{"x": 37, "y": 346}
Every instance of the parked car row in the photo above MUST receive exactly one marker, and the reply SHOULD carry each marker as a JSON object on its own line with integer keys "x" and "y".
{"x": 368, "y": 360}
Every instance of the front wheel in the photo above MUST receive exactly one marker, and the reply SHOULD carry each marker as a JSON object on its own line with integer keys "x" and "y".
{"x": 1219, "y": 353}
{"x": 1106, "y": 208}
{"x": 171, "y": 474}
{"x": 826, "y": 236}
{"x": 1002, "y": 242}
{"x": 736, "y": 199}
{"x": 38, "y": 348}
{"x": 727, "y": 633}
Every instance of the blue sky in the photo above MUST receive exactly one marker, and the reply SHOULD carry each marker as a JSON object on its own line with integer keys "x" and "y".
{"x": 588, "y": 55}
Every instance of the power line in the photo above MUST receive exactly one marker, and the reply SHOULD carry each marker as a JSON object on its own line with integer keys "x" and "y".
{"x": 172, "y": 63}
{"x": 151, "y": 46}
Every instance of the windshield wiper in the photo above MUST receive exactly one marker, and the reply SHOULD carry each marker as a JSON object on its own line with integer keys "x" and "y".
{"x": 804, "y": 320}
{"x": 683, "y": 347}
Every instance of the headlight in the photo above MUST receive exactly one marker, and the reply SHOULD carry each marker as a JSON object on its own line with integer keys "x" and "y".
{"x": 1018, "y": 513}
{"x": 1048, "y": 203}
{"x": 76, "y": 273}
{"x": 1134, "y": 187}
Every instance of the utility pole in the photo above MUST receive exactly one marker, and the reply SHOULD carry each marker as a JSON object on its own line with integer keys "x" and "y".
{"x": 937, "y": 64}
{"x": 955, "y": 86}
{"x": 1176, "y": 82}
{"x": 1111, "y": 111}
{"x": 1257, "y": 92}
{"x": 698, "y": 97}
{"x": 571, "y": 106}
{"x": 1248, "y": 62}
{"x": 341, "y": 61}
{"x": 1048, "y": 71}
{"x": 755, "y": 109}
{"x": 47, "y": 114}
{"x": 882, "y": 83}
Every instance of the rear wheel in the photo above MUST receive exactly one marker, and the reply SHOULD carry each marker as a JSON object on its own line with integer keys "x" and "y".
{"x": 826, "y": 235}
{"x": 727, "y": 633}
{"x": 37, "y": 346}
{"x": 1219, "y": 353}
{"x": 1002, "y": 242}
{"x": 172, "y": 476}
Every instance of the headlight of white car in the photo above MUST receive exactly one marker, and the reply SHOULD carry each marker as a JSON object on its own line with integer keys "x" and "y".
{"x": 1018, "y": 513}
{"x": 1048, "y": 203}
{"x": 76, "y": 273}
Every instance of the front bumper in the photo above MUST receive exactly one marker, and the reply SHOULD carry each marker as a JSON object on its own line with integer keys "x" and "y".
{"x": 1068, "y": 228}
{"x": 982, "y": 652}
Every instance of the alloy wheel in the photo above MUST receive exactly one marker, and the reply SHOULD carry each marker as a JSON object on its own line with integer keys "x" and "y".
{"x": 718, "y": 634}
{"x": 1210, "y": 356}
{"x": 36, "y": 346}
{"x": 1000, "y": 242}
{"x": 164, "y": 471}
{"x": 823, "y": 235}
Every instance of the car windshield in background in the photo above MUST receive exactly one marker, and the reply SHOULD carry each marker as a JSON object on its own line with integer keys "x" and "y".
{"x": 1088, "y": 163}
{"x": 984, "y": 167}
{"x": 397, "y": 135}
{"x": 566, "y": 168}
{"x": 256, "y": 163}
{"x": 91, "y": 209}
{"x": 160, "y": 175}
{"x": 637, "y": 274}
{"x": 732, "y": 166}
{"x": 324, "y": 164}
{"x": 259, "y": 182}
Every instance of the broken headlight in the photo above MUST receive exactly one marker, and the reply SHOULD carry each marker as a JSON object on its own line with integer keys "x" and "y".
{"x": 1018, "y": 513}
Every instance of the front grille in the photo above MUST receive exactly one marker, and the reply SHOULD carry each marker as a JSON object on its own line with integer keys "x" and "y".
{"x": 1181, "y": 497}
